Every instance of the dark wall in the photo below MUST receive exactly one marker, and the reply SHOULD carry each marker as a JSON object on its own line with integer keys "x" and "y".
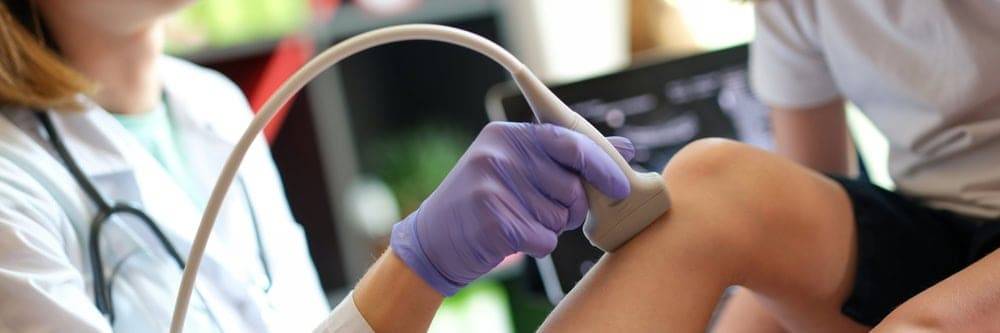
{"x": 408, "y": 84}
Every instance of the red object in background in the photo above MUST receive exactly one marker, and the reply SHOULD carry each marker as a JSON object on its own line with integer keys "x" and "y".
{"x": 291, "y": 53}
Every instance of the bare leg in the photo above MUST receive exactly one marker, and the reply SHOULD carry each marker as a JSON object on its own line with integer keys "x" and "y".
{"x": 964, "y": 302}
{"x": 744, "y": 313}
{"x": 740, "y": 216}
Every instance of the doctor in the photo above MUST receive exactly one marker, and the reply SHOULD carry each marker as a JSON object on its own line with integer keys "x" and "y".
{"x": 107, "y": 152}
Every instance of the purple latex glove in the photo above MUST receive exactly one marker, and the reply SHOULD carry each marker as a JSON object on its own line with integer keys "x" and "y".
{"x": 515, "y": 190}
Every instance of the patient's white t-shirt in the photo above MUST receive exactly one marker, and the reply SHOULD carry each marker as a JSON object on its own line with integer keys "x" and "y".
{"x": 926, "y": 72}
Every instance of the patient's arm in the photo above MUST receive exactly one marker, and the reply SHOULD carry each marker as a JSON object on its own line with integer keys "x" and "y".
{"x": 392, "y": 298}
{"x": 740, "y": 216}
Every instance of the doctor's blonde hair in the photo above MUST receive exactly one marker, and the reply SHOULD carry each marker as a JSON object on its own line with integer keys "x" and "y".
{"x": 32, "y": 74}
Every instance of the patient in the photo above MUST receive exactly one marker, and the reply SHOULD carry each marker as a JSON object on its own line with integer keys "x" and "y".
{"x": 813, "y": 249}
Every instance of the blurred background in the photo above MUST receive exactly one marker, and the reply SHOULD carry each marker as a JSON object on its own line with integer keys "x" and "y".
{"x": 369, "y": 139}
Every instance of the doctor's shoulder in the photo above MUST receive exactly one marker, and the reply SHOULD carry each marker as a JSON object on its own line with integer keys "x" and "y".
{"x": 32, "y": 77}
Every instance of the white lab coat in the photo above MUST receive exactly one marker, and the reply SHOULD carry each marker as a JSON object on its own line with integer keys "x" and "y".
{"x": 45, "y": 279}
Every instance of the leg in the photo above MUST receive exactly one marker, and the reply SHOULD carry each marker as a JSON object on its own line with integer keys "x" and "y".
{"x": 744, "y": 313}
{"x": 965, "y": 302}
{"x": 740, "y": 216}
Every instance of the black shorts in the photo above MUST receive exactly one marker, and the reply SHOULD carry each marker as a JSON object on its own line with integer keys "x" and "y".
{"x": 905, "y": 247}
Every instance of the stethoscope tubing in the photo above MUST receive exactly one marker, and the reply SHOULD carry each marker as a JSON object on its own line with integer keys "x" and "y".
{"x": 106, "y": 210}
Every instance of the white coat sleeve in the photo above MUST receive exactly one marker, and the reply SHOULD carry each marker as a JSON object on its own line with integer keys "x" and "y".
{"x": 345, "y": 318}
{"x": 40, "y": 288}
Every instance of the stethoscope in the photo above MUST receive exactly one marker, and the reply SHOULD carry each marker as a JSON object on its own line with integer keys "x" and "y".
{"x": 106, "y": 210}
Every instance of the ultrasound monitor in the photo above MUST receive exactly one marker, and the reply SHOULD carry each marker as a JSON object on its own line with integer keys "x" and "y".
{"x": 661, "y": 107}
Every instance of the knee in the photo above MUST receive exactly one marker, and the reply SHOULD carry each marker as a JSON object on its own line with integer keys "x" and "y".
{"x": 738, "y": 194}
{"x": 727, "y": 174}
{"x": 709, "y": 159}
{"x": 723, "y": 174}
{"x": 709, "y": 184}
{"x": 748, "y": 207}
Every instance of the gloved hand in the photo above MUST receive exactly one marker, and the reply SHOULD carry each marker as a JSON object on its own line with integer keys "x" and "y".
{"x": 516, "y": 189}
